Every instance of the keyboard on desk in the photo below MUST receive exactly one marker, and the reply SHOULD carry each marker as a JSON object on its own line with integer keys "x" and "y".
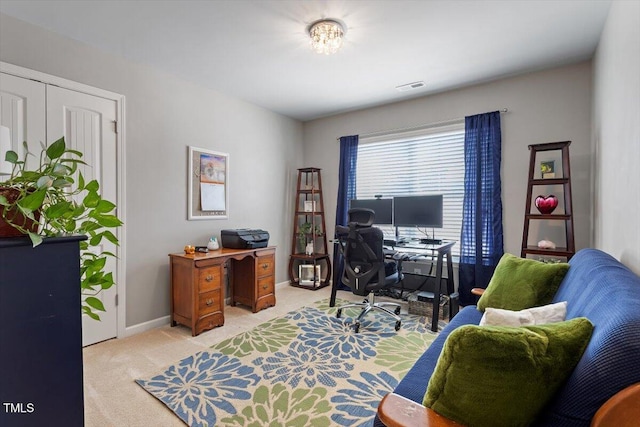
{"x": 419, "y": 244}
{"x": 431, "y": 241}
{"x": 415, "y": 245}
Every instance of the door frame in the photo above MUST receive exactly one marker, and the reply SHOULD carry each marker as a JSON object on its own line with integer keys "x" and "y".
{"x": 119, "y": 99}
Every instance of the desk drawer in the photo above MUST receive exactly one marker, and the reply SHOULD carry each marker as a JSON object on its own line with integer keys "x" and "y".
{"x": 209, "y": 302}
{"x": 209, "y": 278}
{"x": 265, "y": 265}
{"x": 265, "y": 286}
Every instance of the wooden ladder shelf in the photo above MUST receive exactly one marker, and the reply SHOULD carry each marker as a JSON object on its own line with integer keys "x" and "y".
{"x": 309, "y": 229}
{"x": 566, "y": 217}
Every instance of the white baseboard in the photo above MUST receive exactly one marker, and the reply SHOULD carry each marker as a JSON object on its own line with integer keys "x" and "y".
{"x": 146, "y": 326}
{"x": 165, "y": 320}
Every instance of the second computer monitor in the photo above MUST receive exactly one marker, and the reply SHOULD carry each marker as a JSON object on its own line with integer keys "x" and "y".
{"x": 382, "y": 207}
{"x": 418, "y": 211}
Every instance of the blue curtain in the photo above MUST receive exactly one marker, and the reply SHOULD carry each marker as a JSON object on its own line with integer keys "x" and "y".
{"x": 481, "y": 245}
{"x": 346, "y": 192}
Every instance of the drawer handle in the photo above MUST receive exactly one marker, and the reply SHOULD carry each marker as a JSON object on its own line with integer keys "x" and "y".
{"x": 265, "y": 266}
{"x": 265, "y": 286}
{"x": 209, "y": 278}
{"x": 209, "y": 302}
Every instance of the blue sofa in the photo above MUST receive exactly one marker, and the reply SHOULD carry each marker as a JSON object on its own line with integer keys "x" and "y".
{"x": 597, "y": 287}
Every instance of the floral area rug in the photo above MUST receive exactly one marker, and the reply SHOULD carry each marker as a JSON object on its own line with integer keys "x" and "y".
{"x": 307, "y": 368}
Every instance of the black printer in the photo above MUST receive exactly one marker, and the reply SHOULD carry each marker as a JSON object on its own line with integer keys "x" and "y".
{"x": 245, "y": 238}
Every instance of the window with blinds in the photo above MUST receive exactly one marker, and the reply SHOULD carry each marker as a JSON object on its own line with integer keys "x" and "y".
{"x": 417, "y": 163}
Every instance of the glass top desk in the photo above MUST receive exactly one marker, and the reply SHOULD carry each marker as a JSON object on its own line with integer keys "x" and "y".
{"x": 414, "y": 251}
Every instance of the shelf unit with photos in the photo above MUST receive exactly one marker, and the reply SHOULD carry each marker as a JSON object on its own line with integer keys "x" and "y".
{"x": 549, "y": 177}
{"x": 309, "y": 264}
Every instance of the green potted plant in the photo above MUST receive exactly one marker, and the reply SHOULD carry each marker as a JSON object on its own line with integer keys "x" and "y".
{"x": 307, "y": 229}
{"x": 54, "y": 200}
{"x": 306, "y": 232}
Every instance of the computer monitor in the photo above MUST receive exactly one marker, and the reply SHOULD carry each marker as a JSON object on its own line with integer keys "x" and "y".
{"x": 382, "y": 207}
{"x": 418, "y": 211}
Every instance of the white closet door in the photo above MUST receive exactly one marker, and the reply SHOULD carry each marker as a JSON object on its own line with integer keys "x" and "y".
{"x": 88, "y": 125}
{"x": 22, "y": 111}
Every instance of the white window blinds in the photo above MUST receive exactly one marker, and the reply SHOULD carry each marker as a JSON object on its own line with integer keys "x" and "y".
{"x": 418, "y": 163}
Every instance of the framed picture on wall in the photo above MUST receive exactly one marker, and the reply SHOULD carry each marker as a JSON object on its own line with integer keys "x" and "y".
{"x": 208, "y": 184}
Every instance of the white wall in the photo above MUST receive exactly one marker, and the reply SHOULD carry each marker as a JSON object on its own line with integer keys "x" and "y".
{"x": 164, "y": 115}
{"x": 616, "y": 135}
{"x": 546, "y": 106}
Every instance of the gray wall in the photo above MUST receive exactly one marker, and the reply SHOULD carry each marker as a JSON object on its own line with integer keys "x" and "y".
{"x": 546, "y": 106}
{"x": 616, "y": 135}
{"x": 164, "y": 115}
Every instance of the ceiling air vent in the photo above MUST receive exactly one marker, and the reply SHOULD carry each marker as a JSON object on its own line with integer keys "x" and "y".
{"x": 410, "y": 86}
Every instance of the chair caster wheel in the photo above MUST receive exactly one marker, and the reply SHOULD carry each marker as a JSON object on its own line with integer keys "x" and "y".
{"x": 398, "y": 324}
{"x": 339, "y": 313}
{"x": 356, "y": 327}
{"x": 397, "y": 311}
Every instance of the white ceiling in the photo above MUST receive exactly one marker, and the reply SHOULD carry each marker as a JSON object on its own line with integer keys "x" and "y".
{"x": 259, "y": 51}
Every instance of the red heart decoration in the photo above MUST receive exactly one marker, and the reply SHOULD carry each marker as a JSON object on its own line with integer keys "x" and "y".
{"x": 546, "y": 205}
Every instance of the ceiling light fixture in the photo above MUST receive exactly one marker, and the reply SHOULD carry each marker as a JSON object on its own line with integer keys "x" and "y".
{"x": 326, "y": 36}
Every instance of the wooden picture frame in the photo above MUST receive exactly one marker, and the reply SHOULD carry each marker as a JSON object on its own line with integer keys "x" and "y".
{"x": 208, "y": 184}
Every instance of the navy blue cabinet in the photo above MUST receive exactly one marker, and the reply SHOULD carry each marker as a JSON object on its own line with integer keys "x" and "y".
{"x": 40, "y": 333}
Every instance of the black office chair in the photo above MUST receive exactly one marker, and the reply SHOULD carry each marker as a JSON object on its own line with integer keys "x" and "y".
{"x": 365, "y": 270}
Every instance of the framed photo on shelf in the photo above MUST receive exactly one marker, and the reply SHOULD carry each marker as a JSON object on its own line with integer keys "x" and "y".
{"x": 547, "y": 169}
{"x": 307, "y": 275}
{"x": 310, "y": 206}
{"x": 208, "y": 184}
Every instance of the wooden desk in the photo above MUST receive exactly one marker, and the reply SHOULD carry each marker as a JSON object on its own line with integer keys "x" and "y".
{"x": 197, "y": 284}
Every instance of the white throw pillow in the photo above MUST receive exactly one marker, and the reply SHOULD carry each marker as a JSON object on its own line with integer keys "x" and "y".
{"x": 531, "y": 316}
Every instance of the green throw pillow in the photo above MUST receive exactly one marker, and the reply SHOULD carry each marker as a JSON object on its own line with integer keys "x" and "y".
{"x": 521, "y": 283}
{"x": 503, "y": 376}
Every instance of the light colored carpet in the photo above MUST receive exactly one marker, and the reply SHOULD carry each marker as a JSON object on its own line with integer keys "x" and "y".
{"x": 112, "y": 398}
{"x": 307, "y": 368}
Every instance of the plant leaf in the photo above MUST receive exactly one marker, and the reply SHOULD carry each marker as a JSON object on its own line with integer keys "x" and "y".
{"x": 44, "y": 182}
{"x": 108, "y": 221}
{"x": 33, "y": 201}
{"x": 11, "y": 157}
{"x": 91, "y": 200}
{"x": 107, "y": 281}
{"x": 74, "y": 152}
{"x": 60, "y": 169}
{"x": 92, "y": 186}
{"x": 88, "y": 312}
{"x": 36, "y": 239}
{"x": 95, "y": 303}
{"x": 70, "y": 226}
{"x": 57, "y": 210}
{"x": 110, "y": 237}
{"x": 56, "y": 149}
{"x": 95, "y": 240}
{"x": 105, "y": 206}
